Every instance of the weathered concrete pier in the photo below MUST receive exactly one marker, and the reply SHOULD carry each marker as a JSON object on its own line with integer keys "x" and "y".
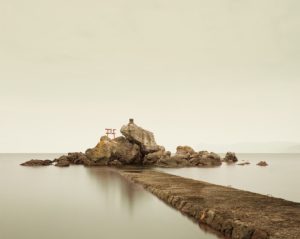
{"x": 234, "y": 213}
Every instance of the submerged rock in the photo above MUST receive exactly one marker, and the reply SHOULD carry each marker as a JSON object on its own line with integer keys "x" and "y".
{"x": 143, "y": 138}
{"x": 243, "y": 163}
{"x": 230, "y": 157}
{"x": 262, "y": 163}
{"x": 37, "y": 162}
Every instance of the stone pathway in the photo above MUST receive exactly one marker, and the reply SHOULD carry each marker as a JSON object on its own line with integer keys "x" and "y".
{"x": 234, "y": 213}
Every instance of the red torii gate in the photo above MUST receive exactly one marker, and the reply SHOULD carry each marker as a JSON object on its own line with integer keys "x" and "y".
{"x": 110, "y": 132}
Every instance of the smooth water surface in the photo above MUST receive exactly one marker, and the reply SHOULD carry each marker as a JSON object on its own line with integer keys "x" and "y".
{"x": 79, "y": 202}
{"x": 280, "y": 179}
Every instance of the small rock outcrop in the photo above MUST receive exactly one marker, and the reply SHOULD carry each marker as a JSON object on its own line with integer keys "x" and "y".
{"x": 37, "y": 162}
{"x": 262, "y": 163}
{"x": 187, "y": 157}
{"x": 73, "y": 158}
{"x": 184, "y": 150}
{"x": 143, "y": 138}
{"x": 230, "y": 157}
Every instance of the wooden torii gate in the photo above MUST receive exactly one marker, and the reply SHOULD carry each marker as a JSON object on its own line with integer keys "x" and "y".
{"x": 110, "y": 132}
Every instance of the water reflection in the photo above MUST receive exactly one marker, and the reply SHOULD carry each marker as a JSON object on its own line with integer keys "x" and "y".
{"x": 79, "y": 202}
{"x": 132, "y": 195}
{"x": 92, "y": 203}
{"x": 108, "y": 180}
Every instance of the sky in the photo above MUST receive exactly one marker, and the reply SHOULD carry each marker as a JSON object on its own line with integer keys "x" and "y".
{"x": 205, "y": 73}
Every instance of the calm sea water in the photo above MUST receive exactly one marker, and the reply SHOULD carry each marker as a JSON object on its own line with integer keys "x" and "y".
{"x": 280, "y": 179}
{"x": 82, "y": 203}
{"x": 79, "y": 202}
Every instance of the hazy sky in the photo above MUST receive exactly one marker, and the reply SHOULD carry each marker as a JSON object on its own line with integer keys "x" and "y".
{"x": 195, "y": 72}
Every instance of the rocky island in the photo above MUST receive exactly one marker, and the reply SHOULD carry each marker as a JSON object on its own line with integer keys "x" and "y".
{"x": 136, "y": 147}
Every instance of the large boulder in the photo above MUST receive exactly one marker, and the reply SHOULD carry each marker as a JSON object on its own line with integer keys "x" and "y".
{"x": 205, "y": 159}
{"x": 120, "y": 149}
{"x": 76, "y": 158}
{"x": 144, "y": 138}
{"x": 183, "y": 153}
{"x": 230, "y": 157}
{"x": 152, "y": 158}
{"x": 209, "y": 159}
{"x": 184, "y": 150}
